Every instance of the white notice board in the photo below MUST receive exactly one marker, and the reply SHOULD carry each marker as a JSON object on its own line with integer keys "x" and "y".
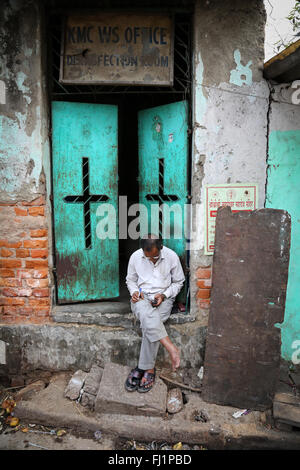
{"x": 239, "y": 196}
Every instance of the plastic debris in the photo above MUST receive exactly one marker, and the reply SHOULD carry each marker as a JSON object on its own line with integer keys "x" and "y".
{"x": 177, "y": 446}
{"x": 98, "y": 435}
{"x": 27, "y": 443}
{"x": 61, "y": 432}
{"x": 14, "y": 422}
{"x": 52, "y": 432}
{"x": 238, "y": 414}
{"x": 200, "y": 373}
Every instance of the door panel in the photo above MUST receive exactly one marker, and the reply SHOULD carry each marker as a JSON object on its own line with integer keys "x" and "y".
{"x": 163, "y": 153}
{"x": 84, "y": 148}
{"x": 283, "y": 192}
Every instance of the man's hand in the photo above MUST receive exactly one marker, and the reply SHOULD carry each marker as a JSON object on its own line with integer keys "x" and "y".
{"x": 135, "y": 297}
{"x": 159, "y": 298}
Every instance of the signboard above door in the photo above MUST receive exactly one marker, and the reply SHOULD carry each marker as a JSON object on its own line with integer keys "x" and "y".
{"x": 117, "y": 48}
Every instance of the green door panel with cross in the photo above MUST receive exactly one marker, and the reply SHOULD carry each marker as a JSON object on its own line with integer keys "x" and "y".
{"x": 85, "y": 168}
{"x": 163, "y": 156}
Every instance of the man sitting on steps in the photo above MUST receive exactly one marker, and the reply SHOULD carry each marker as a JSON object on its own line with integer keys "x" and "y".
{"x": 154, "y": 278}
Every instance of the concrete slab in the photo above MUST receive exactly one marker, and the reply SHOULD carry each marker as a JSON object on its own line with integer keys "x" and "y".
{"x": 113, "y": 398}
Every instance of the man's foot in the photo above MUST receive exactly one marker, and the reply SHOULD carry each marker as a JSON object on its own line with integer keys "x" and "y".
{"x": 175, "y": 358}
{"x": 173, "y": 351}
{"x": 147, "y": 381}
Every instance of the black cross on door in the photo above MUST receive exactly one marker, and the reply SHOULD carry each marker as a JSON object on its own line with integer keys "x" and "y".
{"x": 161, "y": 196}
{"x": 86, "y": 198}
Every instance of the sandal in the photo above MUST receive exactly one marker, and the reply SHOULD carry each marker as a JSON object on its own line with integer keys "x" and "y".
{"x": 133, "y": 379}
{"x": 148, "y": 384}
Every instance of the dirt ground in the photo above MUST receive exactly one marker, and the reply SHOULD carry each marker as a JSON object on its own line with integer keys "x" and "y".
{"x": 34, "y": 440}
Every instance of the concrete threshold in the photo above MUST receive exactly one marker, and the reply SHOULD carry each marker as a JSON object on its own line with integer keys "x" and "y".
{"x": 49, "y": 407}
{"x": 106, "y": 313}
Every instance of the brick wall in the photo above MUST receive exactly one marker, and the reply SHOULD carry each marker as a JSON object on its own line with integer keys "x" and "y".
{"x": 24, "y": 273}
{"x": 203, "y": 275}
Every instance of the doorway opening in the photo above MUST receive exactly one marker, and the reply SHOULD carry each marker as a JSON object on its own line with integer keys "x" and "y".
{"x": 129, "y": 100}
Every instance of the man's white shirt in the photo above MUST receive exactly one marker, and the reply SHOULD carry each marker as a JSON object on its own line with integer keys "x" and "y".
{"x": 166, "y": 276}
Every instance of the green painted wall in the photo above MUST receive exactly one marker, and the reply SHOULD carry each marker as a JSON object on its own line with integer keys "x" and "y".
{"x": 283, "y": 192}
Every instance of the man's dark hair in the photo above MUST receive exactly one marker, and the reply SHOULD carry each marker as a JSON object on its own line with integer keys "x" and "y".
{"x": 150, "y": 241}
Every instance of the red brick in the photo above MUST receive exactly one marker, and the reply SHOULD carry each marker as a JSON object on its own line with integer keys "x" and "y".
{"x": 203, "y": 294}
{"x": 40, "y": 201}
{"x": 204, "y": 283}
{"x": 22, "y": 252}
{"x": 10, "y": 310}
{"x": 20, "y": 212}
{"x": 38, "y": 233}
{"x": 39, "y": 302}
{"x": 36, "y": 264}
{"x": 38, "y": 320}
{"x": 5, "y": 252}
{"x": 203, "y": 273}
{"x": 42, "y": 312}
{"x": 35, "y": 243}
{"x": 40, "y": 273}
{"x": 9, "y": 319}
{"x": 10, "y": 263}
{"x": 41, "y": 292}
{"x": 35, "y": 211}
{"x": 24, "y": 292}
{"x": 39, "y": 253}
{"x": 9, "y": 292}
{"x": 8, "y": 244}
{"x": 11, "y": 301}
{"x": 25, "y": 310}
{"x": 23, "y": 274}
{"x": 204, "y": 303}
{"x": 37, "y": 282}
{"x": 6, "y": 282}
{"x": 7, "y": 273}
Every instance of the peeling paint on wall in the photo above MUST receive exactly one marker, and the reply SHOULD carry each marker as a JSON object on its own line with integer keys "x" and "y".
{"x": 21, "y": 124}
{"x": 242, "y": 74}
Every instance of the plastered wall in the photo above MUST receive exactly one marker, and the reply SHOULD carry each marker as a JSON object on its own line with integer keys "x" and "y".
{"x": 230, "y": 113}
{"x": 283, "y": 192}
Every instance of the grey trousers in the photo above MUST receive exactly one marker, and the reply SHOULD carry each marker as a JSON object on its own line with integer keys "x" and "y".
{"x": 152, "y": 324}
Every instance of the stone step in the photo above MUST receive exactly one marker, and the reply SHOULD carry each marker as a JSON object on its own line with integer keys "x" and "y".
{"x": 112, "y": 396}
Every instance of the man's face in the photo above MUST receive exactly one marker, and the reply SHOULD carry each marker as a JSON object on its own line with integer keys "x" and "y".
{"x": 153, "y": 255}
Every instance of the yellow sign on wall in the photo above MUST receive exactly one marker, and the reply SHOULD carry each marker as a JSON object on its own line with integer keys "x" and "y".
{"x": 239, "y": 196}
{"x": 117, "y": 48}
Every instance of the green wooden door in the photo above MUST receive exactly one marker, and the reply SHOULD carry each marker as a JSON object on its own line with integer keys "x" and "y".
{"x": 163, "y": 156}
{"x": 84, "y": 148}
